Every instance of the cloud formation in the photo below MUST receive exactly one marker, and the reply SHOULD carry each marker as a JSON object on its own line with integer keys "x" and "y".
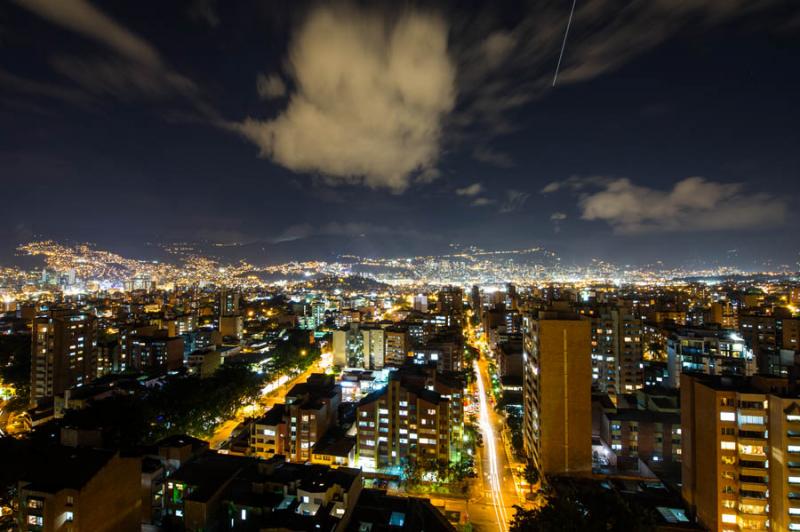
{"x": 556, "y": 218}
{"x": 470, "y": 190}
{"x": 270, "y": 87}
{"x": 482, "y": 202}
{"x": 515, "y": 200}
{"x": 82, "y": 17}
{"x": 502, "y": 68}
{"x": 693, "y": 204}
{"x": 131, "y": 66}
{"x": 488, "y": 155}
{"x": 371, "y": 95}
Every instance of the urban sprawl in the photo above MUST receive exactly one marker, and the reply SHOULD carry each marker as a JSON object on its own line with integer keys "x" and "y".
{"x": 478, "y": 390}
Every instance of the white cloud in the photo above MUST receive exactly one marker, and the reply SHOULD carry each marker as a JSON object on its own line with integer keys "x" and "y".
{"x": 497, "y": 46}
{"x": 82, "y": 17}
{"x": 575, "y": 183}
{"x": 470, "y": 190}
{"x": 488, "y": 155}
{"x": 515, "y": 199}
{"x": 131, "y": 66}
{"x": 693, "y": 204}
{"x": 270, "y": 87}
{"x": 482, "y": 202}
{"x": 371, "y": 95}
{"x": 28, "y": 86}
{"x": 556, "y": 218}
{"x": 429, "y": 175}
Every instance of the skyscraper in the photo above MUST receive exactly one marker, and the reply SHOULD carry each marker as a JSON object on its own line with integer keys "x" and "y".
{"x": 557, "y": 425}
{"x": 63, "y": 352}
{"x": 741, "y": 451}
{"x": 616, "y": 350}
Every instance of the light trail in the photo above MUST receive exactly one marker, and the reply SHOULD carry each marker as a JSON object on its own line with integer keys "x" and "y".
{"x": 489, "y": 440}
{"x": 564, "y": 43}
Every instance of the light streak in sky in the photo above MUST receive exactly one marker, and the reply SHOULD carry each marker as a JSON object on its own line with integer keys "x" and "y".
{"x": 564, "y": 43}
{"x": 489, "y": 440}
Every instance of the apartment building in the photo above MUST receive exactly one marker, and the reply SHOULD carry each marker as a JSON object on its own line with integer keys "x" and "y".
{"x": 741, "y": 452}
{"x": 557, "y": 425}
{"x": 418, "y": 416}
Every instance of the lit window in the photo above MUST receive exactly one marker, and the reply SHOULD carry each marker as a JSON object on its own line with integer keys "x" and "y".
{"x": 727, "y": 445}
{"x": 244, "y": 514}
{"x": 727, "y": 416}
{"x": 729, "y": 518}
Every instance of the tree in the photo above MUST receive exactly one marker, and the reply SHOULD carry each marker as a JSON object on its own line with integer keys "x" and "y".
{"x": 584, "y": 506}
{"x": 531, "y": 475}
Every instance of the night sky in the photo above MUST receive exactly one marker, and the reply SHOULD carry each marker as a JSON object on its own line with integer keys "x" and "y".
{"x": 303, "y": 129}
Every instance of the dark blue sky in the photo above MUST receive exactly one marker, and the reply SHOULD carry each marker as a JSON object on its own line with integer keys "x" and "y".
{"x": 672, "y": 134}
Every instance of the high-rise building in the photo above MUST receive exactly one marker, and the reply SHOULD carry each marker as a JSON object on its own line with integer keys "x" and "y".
{"x": 475, "y": 300}
{"x": 269, "y": 434}
{"x": 725, "y": 313}
{"x": 398, "y": 345}
{"x": 418, "y": 417}
{"x": 741, "y": 452}
{"x": 450, "y": 300}
{"x": 444, "y": 350}
{"x": 228, "y": 302}
{"x": 63, "y": 352}
{"x": 156, "y": 352}
{"x": 616, "y": 350}
{"x": 421, "y": 303}
{"x": 312, "y": 408}
{"x": 511, "y": 296}
{"x": 231, "y": 321}
{"x": 348, "y": 347}
{"x": 374, "y": 346}
{"x": 557, "y": 381}
{"x": 708, "y": 350}
{"x": 773, "y": 339}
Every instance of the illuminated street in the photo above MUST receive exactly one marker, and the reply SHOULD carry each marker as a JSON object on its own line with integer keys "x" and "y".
{"x": 494, "y": 509}
{"x": 276, "y": 392}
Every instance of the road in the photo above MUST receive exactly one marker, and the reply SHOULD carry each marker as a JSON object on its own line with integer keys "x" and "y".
{"x": 265, "y": 402}
{"x": 493, "y": 509}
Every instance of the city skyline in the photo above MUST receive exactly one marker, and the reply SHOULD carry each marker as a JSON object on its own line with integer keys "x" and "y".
{"x": 368, "y": 265}
{"x": 668, "y": 136}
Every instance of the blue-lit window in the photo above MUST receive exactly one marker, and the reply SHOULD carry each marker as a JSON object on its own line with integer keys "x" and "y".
{"x": 397, "y": 519}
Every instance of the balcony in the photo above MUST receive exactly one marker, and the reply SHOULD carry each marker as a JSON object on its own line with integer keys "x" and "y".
{"x": 753, "y": 465}
{"x": 753, "y": 496}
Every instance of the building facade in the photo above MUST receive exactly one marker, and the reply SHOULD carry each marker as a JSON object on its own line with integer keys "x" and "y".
{"x": 557, "y": 425}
